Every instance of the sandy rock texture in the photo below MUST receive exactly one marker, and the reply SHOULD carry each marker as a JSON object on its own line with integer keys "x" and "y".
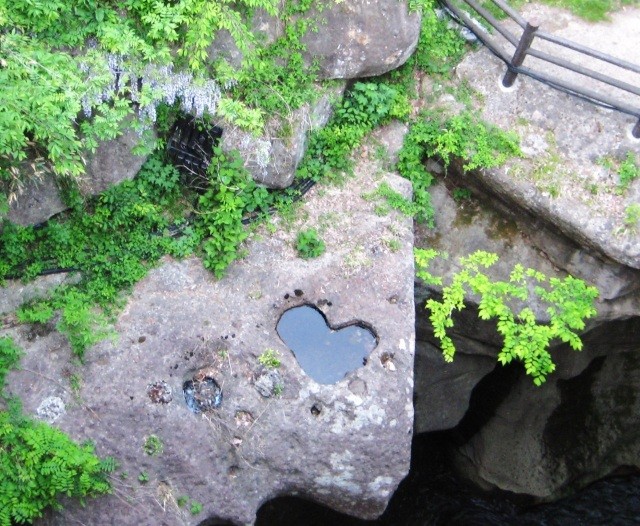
{"x": 268, "y": 432}
{"x": 111, "y": 163}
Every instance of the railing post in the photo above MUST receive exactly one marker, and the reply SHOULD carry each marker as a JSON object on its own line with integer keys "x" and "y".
{"x": 636, "y": 130}
{"x": 521, "y": 52}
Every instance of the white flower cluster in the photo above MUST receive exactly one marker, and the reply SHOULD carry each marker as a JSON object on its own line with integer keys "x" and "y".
{"x": 263, "y": 154}
{"x": 257, "y": 151}
{"x": 151, "y": 86}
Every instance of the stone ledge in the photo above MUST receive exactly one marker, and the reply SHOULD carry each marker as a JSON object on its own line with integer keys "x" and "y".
{"x": 350, "y": 453}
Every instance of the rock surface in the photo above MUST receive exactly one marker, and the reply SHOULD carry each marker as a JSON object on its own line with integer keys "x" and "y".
{"x": 273, "y": 157}
{"x": 559, "y": 179}
{"x": 362, "y": 38}
{"x": 579, "y": 426}
{"x": 550, "y": 441}
{"x": 346, "y": 445}
{"x": 346, "y": 40}
{"x": 112, "y": 162}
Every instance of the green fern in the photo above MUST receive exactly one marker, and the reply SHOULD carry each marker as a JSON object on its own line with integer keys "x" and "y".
{"x": 39, "y": 463}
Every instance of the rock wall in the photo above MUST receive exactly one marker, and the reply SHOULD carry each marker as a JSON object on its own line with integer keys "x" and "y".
{"x": 543, "y": 441}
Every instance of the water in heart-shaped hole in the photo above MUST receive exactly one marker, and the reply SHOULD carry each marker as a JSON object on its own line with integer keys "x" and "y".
{"x": 325, "y": 354}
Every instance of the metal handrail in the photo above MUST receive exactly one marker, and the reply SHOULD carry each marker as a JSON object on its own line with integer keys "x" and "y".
{"x": 524, "y": 49}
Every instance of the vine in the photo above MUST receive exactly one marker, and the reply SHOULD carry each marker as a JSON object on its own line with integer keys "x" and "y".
{"x": 462, "y": 136}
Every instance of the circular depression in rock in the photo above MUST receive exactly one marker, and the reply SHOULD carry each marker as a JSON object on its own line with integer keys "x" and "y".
{"x": 325, "y": 354}
{"x": 202, "y": 395}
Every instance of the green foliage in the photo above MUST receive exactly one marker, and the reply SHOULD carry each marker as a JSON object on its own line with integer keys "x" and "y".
{"x": 365, "y": 106}
{"x": 632, "y": 217}
{"x": 463, "y": 136}
{"x": 591, "y": 10}
{"x": 153, "y": 445}
{"x": 138, "y": 28}
{"x": 270, "y": 359}
{"x": 394, "y": 200}
{"x": 439, "y": 48}
{"x": 628, "y": 171}
{"x": 195, "y": 507}
{"x": 461, "y": 194}
{"x": 308, "y": 244}
{"x": 39, "y": 463}
{"x": 10, "y": 355}
{"x": 112, "y": 240}
{"x": 54, "y": 63}
{"x": 569, "y": 302}
{"x": 40, "y": 100}
{"x": 143, "y": 477}
{"x": 275, "y": 78}
{"x": 231, "y": 194}
{"x": 368, "y": 104}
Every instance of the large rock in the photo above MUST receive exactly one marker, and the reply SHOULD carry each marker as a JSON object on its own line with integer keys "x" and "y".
{"x": 346, "y": 445}
{"x": 272, "y": 158}
{"x": 542, "y": 441}
{"x": 362, "y": 38}
{"x": 552, "y": 440}
{"x": 443, "y": 390}
{"x": 112, "y": 162}
{"x": 345, "y": 40}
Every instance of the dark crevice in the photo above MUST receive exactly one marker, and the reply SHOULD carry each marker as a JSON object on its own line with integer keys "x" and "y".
{"x": 486, "y": 397}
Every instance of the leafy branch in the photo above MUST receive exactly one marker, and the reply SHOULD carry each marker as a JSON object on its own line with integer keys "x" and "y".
{"x": 569, "y": 302}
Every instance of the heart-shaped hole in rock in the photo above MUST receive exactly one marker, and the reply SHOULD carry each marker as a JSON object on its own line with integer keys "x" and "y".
{"x": 327, "y": 355}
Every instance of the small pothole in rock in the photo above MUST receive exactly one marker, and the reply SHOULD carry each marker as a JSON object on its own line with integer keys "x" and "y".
{"x": 244, "y": 418}
{"x": 159, "y": 392}
{"x": 316, "y": 410}
{"x": 202, "y": 394}
{"x": 386, "y": 360}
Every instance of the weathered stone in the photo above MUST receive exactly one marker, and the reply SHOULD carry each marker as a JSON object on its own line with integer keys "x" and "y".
{"x": 272, "y": 158}
{"x": 112, "y": 162}
{"x": 346, "y": 445}
{"x": 582, "y": 423}
{"x": 550, "y": 441}
{"x": 268, "y": 383}
{"x": 346, "y": 40}
{"x": 15, "y": 293}
{"x": 486, "y": 223}
{"x": 559, "y": 179}
{"x": 38, "y": 201}
{"x": 391, "y": 138}
{"x": 443, "y": 390}
{"x": 362, "y": 38}
{"x": 265, "y": 28}
{"x": 50, "y": 409}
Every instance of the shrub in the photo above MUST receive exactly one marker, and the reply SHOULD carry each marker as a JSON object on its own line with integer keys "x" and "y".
{"x": 309, "y": 245}
{"x": 39, "y": 463}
